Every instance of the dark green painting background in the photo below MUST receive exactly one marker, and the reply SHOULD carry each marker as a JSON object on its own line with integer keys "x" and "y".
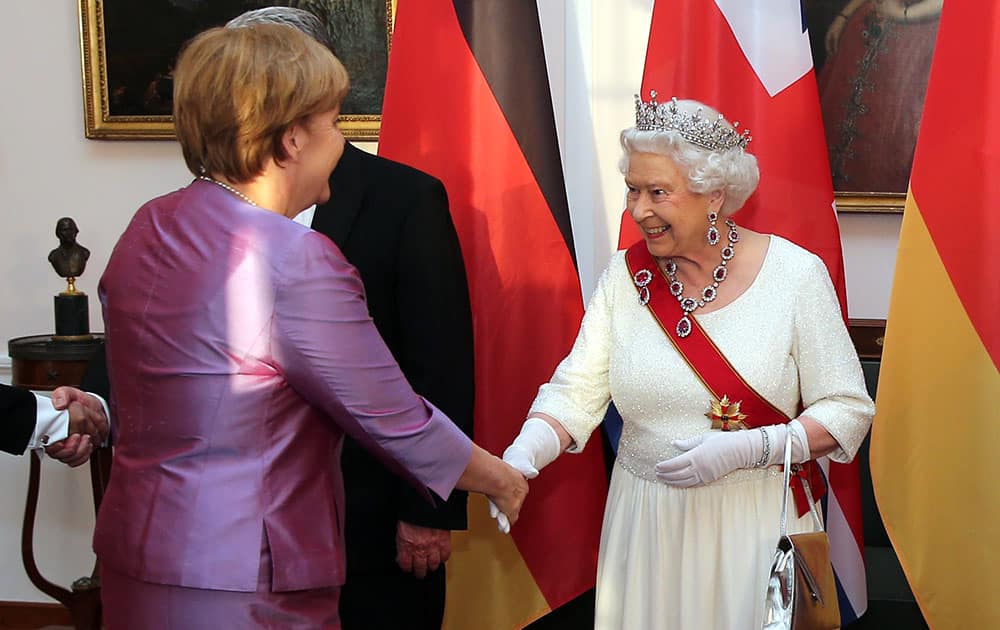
{"x": 142, "y": 38}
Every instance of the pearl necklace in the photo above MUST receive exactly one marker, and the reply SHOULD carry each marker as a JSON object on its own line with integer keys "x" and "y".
{"x": 710, "y": 292}
{"x": 229, "y": 188}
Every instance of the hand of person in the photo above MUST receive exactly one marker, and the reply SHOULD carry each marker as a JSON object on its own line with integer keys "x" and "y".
{"x": 521, "y": 460}
{"x": 420, "y": 550}
{"x": 72, "y": 451}
{"x": 707, "y": 457}
{"x": 502, "y": 523}
{"x": 506, "y": 506}
{"x": 832, "y": 40}
{"x": 86, "y": 413}
{"x": 536, "y": 446}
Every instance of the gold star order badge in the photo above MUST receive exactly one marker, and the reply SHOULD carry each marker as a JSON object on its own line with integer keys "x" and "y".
{"x": 725, "y": 415}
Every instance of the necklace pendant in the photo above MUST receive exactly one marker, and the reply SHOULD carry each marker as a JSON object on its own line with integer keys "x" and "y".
{"x": 683, "y": 327}
{"x": 708, "y": 294}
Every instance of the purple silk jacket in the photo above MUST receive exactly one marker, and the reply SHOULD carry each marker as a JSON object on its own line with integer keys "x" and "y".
{"x": 240, "y": 351}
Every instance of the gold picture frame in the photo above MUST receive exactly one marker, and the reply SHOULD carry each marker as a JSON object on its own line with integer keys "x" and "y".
{"x": 107, "y": 118}
{"x": 870, "y": 202}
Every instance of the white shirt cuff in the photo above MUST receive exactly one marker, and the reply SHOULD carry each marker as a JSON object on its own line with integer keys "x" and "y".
{"x": 51, "y": 425}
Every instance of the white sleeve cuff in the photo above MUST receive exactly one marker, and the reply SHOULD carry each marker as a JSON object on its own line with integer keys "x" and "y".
{"x": 51, "y": 425}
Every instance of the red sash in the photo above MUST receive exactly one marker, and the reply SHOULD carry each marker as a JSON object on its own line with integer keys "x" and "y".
{"x": 711, "y": 367}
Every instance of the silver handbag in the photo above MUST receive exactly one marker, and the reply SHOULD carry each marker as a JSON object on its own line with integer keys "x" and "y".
{"x": 801, "y": 591}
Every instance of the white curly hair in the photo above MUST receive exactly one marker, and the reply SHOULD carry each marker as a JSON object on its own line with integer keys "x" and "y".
{"x": 733, "y": 171}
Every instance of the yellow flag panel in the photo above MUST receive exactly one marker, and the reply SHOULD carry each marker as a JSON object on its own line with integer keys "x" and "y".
{"x": 936, "y": 443}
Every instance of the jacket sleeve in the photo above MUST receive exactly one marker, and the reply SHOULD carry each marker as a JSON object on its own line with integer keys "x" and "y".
{"x": 434, "y": 342}
{"x": 579, "y": 392}
{"x": 830, "y": 378}
{"x": 18, "y": 409}
{"x": 331, "y": 354}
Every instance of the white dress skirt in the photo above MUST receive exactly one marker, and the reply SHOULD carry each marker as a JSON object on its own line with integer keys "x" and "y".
{"x": 688, "y": 558}
{"x": 698, "y": 558}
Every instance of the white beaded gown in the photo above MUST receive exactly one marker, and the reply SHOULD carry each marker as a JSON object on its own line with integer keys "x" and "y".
{"x": 698, "y": 558}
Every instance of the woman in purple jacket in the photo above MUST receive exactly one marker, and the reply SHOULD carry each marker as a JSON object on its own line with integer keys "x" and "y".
{"x": 241, "y": 352}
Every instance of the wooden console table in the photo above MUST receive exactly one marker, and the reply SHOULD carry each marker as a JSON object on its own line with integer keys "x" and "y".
{"x": 42, "y": 364}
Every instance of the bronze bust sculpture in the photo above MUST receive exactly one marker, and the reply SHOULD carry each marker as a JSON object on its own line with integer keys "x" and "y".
{"x": 70, "y": 258}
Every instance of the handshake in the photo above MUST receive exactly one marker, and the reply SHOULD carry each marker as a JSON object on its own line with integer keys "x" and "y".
{"x": 538, "y": 444}
{"x": 88, "y": 426}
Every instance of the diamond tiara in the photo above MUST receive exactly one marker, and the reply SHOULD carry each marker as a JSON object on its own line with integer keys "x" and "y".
{"x": 713, "y": 135}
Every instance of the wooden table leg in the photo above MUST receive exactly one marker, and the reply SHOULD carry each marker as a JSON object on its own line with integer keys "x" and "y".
{"x": 84, "y": 601}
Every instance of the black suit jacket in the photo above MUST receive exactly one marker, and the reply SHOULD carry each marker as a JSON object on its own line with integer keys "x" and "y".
{"x": 392, "y": 223}
{"x": 18, "y": 414}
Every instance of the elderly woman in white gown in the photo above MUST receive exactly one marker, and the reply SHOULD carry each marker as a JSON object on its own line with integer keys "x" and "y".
{"x": 699, "y": 315}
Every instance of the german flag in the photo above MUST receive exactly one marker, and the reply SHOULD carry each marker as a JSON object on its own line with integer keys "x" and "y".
{"x": 467, "y": 100}
{"x": 934, "y": 439}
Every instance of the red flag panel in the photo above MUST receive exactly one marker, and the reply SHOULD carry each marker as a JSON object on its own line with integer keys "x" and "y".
{"x": 955, "y": 168}
{"x": 441, "y": 117}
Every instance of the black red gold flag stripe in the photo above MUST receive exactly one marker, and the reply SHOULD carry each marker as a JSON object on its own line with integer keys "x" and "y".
{"x": 467, "y": 100}
{"x": 933, "y": 446}
{"x": 506, "y": 40}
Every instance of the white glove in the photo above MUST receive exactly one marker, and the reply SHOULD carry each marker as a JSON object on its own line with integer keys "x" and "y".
{"x": 502, "y": 523}
{"x": 713, "y": 454}
{"x": 535, "y": 447}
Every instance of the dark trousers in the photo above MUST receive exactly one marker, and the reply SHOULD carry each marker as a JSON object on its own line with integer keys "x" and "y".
{"x": 392, "y": 600}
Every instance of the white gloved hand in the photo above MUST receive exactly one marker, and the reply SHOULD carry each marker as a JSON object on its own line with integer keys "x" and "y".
{"x": 711, "y": 455}
{"x": 536, "y": 446}
{"x": 503, "y": 524}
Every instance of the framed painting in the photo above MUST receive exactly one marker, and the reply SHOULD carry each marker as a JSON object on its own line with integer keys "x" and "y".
{"x": 128, "y": 64}
{"x": 872, "y": 60}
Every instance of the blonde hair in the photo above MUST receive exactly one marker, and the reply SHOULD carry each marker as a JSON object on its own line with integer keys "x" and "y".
{"x": 236, "y": 91}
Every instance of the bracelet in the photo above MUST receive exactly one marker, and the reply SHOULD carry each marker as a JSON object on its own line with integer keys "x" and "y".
{"x": 766, "y": 455}
{"x": 842, "y": 15}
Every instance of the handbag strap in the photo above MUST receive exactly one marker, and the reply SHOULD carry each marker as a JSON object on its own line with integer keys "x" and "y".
{"x": 787, "y": 476}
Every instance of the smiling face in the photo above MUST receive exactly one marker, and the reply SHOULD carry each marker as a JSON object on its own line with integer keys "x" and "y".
{"x": 673, "y": 220}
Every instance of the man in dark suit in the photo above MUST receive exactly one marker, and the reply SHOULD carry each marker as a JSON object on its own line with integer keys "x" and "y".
{"x": 392, "y": 222}
{"x": 67, "y": 426}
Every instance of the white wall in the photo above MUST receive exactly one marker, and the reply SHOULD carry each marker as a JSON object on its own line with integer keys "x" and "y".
{"x": 869, "y": 260}
{"x": 48, "y": 170}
